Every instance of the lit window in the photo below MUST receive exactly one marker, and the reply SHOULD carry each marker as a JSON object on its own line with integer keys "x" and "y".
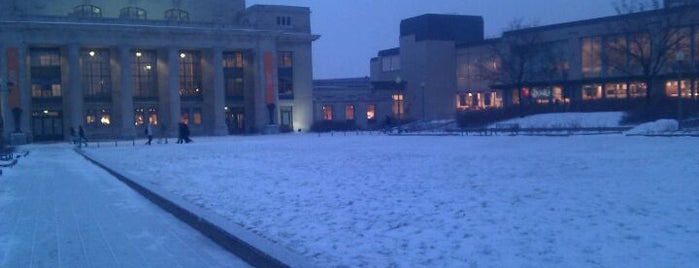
{"x": 592, "y": 92}
{"x": 398, "y": 106}
{"x": 371, "y": 112}
{"x": 349, "y": 112}
{"x": 327, "y": 112}
{"x": 196, "y": 116}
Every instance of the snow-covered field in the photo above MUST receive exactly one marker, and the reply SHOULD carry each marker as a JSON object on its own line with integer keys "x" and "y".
{"x": 393, "y": 201}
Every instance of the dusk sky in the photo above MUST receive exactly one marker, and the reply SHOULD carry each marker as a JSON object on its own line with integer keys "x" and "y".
{"x": 352, "y": 32}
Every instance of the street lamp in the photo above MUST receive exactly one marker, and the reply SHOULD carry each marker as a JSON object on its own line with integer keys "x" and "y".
{"x": 399, "y": 98}
{"x": 679, "y": 57}
{"x": 423, "y": 100}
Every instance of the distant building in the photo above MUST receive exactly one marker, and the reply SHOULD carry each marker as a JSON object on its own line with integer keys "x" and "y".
{"x": 350, "y": 103}
{"x": 113, "y": 65}
{"x": 443, "y": 64}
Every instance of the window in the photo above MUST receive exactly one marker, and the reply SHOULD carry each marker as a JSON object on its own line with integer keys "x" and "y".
{"x": 283, "y": 21}
{"x": 96, "y": 73}
{"x": 141, "y": 115}
{"x": 398, "y": 106}
{"x": 134, "y": 13}
{"x": 371, "y": 112}
{"x": 592, "y": 92}
{"x": 87, "y": 11}
{"x": 349, "y": 112}
{"x": 591, "y": 56}
{"x": 615, "y": 91}
{"x": 233, "y": 73}
{"x": 176, "y": 15}
{"x": 637, "y": 89}
{"x": 144, "y": 74}
{"x": 285, "y": 74}
{"x": 696, "y": 47}
{"x": 327, "y": 112}
{"x": 190, "y": 74}
{"x": 390, "y": 63}
{"x": 671, "y": 88}
{"x": 98, "y": 118}
{"x": 196, "y": 116}
{"x": 615, "y": 52}
{"x": 45, "y": 73}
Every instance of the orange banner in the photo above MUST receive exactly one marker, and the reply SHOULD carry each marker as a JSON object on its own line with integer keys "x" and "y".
{"x": 13, "y": 75}
{"x": 269, "y": 78}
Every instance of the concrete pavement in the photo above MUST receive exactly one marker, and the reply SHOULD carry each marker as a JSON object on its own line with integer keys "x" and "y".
{"x": 59, "y": 210}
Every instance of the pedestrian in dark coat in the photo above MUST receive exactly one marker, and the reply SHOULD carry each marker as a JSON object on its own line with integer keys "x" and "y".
{"x": 81, "y": 136}
{"x": 181, "y": 128}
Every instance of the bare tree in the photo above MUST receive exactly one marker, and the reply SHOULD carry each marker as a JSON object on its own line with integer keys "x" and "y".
{"x": 515, "y": 58}
{"x": 648, "y": 38}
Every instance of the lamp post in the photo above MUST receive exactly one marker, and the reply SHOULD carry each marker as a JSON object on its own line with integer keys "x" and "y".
{"x": 679, "y": 57}
{"x": 423, "y": 100}
{"x": 399, "y": 98}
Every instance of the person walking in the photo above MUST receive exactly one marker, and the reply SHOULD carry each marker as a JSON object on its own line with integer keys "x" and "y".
{"x": 73, "y": 136}
{"x": 81, "y": 136}
{"x": 181, "y": 128}
{"x": 163, "y": 134}
{"x": 149, "y": 133}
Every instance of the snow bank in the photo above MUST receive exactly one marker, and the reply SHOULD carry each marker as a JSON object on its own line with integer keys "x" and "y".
{"x": 657, "y": 127}
{"x": 568, "y": 120}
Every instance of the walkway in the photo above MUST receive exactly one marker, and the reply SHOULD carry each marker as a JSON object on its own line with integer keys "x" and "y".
{"x": 59, "y": 210}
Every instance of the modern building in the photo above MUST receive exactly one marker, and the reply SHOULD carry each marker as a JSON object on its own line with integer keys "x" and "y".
{"x": 444, "y": 64}
{"x": 111, "y": 66}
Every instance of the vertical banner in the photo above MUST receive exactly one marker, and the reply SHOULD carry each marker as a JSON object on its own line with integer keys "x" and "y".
{"x": 269, "y": 78}
{"x": 13, "y": 75}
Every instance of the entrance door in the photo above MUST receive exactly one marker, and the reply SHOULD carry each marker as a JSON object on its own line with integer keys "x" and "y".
{"x": 47, "y": 125}
{"x": 235, "y": 119}
{"x": 287, "y": 124}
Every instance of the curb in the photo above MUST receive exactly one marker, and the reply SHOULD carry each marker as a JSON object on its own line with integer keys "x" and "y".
{"x": 253, "y": 249}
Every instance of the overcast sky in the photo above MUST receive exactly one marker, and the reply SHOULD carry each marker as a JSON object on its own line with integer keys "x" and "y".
{"x": 353, "y": 31}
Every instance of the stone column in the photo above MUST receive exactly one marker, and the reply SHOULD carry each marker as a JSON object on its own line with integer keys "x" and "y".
{"x": 173, "y": 90}
{"x": 24, "y": 95}
{"x": 5, "y": 112}
{"x": 266, "y": 86}
{"x": 75, "y": 92}
{"x": 219, "y": 96}
{"x": 126, "y": 93}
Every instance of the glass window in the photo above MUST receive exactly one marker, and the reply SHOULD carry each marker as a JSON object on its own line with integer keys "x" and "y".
{"x": 398, "y": 106}
{"x": 196, "y": 116}
{"x": 45, "y": 57}
{"x": 190, "y": 74}
{"x": 233, "y": 72}
{"x": 96, "y": 73}
{"x": 327, "y": 112}
{"x": 591, "y": 56}
{"x": 100, "y": 117}
{"x": 87, "y": 11}
{"x": 637, "y": 89}
{"x": 671, "y": 88}
{"x": 285, "y": 74}
{"x": 349, "y": 112}
{"x": 144, "y": 74}
{"x": 139, "y": 117}
{"x": 390, "y": 63}
{"x": 371, "y": 112}
{"x": 176, "y": 15}
{"x": 134, "y": 13}
{"x": 615, "y": 51}
{"x": 615, "y": 91}
{"x": 592, "y": 92}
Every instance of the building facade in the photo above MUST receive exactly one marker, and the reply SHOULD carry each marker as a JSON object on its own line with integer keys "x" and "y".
{"x": 444, "y": 65}
{"x": 351, "y": 103}
{"x": 113, "y": 66}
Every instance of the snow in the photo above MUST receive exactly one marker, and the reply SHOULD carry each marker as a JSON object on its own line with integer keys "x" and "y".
{"x": 656, "y": 127}
{"x": 568, "y": 120}
{"x": 369, "y": 200}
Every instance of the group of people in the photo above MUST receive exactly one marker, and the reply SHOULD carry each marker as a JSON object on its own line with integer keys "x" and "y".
{"x": 182, "y": 133}
{"x": 79, "y": 137}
